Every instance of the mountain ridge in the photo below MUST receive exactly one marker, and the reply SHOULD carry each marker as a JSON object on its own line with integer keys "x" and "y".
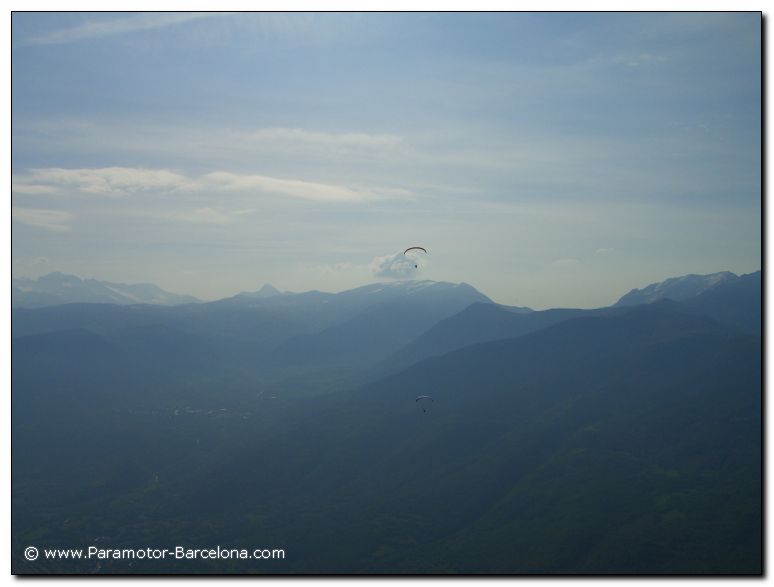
{"x": 677, "y": 288}
{"x": 60, "y": 288}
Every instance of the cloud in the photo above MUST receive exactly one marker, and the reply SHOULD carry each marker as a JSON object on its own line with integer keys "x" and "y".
{"x": 223, "y": 181}
{"x": 106, "y": 181}
{"x": 53, "y": 220}
{"x": 105, "y": 28}
{"x": 395, "y": 266}
{"x": 117, "y": 182}
{"x": 603, "y": 250}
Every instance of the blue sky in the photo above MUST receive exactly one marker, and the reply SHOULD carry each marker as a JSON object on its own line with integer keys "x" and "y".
{"x": 547, "y": 159}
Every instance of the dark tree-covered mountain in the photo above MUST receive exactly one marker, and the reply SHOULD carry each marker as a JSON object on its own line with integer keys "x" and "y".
{"x": 735, "y": 303}
{"x": 618, "y": 440}
{"x": 602, "y": 444}
{"x": 291, "y": 342}
{"x": 385, "y": 326}
{"x": 477, "y": 323}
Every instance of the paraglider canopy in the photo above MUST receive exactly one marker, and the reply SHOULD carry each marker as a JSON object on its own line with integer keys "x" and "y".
{"x": 415, "y": 249}
{"x": 422, "y": 400}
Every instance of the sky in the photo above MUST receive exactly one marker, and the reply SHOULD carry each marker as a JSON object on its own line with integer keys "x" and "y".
{"x": 549, "y": 160}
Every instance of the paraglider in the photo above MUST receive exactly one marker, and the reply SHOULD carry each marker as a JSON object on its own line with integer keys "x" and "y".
{"x": 424, "y": 399}
{"x": 415, "y": 249}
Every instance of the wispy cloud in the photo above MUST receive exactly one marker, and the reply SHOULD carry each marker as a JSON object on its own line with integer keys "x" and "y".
{"x": 217, "y": 146}
{"x": 33, "y": 189}
{"x": 320, "y": 192}
{"x": 606, "y": 166}
{"x": 117, "y": 26}
{"x": 106, "y": 181}
{"x": 124, "y": 181}
{"x": 53, "y": 220}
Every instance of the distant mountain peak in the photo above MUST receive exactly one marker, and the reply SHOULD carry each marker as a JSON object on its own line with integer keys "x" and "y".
{"x": 266, "y": 291}
{"x": 676, "y": 288}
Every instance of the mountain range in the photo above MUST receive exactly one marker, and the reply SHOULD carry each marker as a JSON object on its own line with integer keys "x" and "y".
{"x": 616, "y": 440}
{"x": 60, "y": 288}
